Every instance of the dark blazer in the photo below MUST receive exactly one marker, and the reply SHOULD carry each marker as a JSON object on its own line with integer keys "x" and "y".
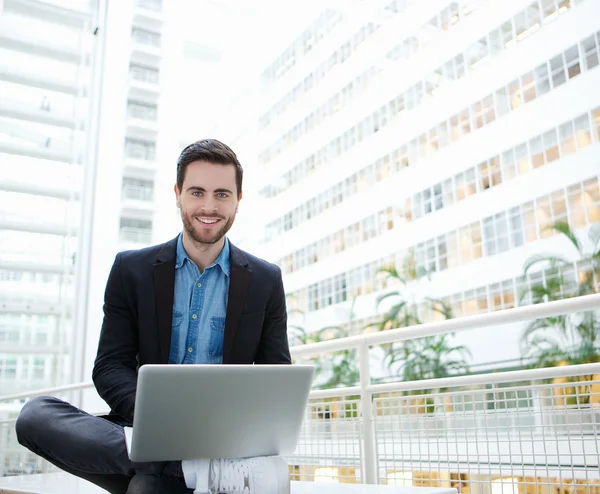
{"x": 138, "y": 308}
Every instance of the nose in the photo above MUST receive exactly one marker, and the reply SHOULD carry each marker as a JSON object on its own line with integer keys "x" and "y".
{"x": 209, "y": 206}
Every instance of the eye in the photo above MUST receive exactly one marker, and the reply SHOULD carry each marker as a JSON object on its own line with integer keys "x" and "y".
{"x": 196, "y": 193}
{"x": 222, "y": 195}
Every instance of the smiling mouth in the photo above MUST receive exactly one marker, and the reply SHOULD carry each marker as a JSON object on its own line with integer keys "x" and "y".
{"x": 208, "y": 221}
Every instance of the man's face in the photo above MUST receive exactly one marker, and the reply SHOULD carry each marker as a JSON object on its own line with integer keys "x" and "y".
{"x": 208, "y": 200}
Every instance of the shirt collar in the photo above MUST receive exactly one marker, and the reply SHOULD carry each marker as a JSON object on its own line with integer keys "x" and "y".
{"x": 223, "y": 260}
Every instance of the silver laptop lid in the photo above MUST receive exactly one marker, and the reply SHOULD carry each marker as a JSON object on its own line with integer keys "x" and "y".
{"x": 218, "y": 411}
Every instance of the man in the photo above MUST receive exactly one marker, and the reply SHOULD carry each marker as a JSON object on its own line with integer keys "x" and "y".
{"x": 195, "y": 299}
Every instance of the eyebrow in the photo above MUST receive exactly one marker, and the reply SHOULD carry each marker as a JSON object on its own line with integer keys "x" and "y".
{"x": 202, "y": 189}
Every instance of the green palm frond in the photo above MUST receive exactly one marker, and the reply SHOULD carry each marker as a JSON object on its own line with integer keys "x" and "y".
{"x": 440, "y": 307}
{"x": 391, "y": 272}
{"x": 385, "y": 296}
{"x": 535, "y": 259}
{"x": 377, "y": 325}
{"x": 391, "y": 316}
{"x": 565, "y": 229}
{"x": 338, "y": 332}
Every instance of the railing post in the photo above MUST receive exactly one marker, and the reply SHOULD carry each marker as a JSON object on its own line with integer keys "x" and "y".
{"x": 368, "y": 431}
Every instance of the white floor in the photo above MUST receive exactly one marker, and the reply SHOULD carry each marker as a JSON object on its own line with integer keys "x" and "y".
{"x": 61, "y": 483}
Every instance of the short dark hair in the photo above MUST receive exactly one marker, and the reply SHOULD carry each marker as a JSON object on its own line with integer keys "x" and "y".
{"x": 212, "y": 151}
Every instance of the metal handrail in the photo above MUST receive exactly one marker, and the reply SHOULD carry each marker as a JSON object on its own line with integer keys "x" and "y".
{"x": 48, "y": 391}
{"x": 548, "y": 309}
{"x": 506, "y": 316}
{"x": 366, "y": 389}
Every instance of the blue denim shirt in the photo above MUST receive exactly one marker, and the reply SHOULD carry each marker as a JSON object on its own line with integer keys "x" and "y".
{"x": 199, "y": 309}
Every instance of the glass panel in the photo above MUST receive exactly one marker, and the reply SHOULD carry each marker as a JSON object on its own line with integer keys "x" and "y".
{"x": 489, "y": 241}
{"x": 544, "y": 217}
{"x": 465, "y": 121}
{"x": 559, "y": 206}
{"x": 551, "y": 145}
{"x": 572, "y": 61}
{"x": 528, "y": 85}
{"x": 529, "y": 222}
{"x": 567, "y": 138}
{"x": 515, "y": 94}
{"x": 522, "y": 158}
{"x": 591, "y": 197}
{"x": 576, "y": 206}
{"x": 516, "y": 227}
{"x": 583, "y": 134}
{"x": 502, "y": 101}
{"x": 507, "y": 34}
{"x": 537, "y": 152}
{"x": 508, "y": 164}
{"x": 484, "y": 176}
{"x": 454, "y": 128}
{"x": 489, "y": 113}
{"x": 495, "y": 171}
{"x": 542, "y": 82}
{"x": 557, "y": 70}
{"x": 589, "y": 50}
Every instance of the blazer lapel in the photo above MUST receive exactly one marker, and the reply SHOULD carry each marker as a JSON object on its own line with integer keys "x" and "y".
{"x": 238, "y": 290}
{"x": 164, "y": 292}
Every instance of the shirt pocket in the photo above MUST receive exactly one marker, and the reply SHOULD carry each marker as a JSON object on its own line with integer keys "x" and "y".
{"x": 217, "y": 331}
{"x": 177, "y": 318}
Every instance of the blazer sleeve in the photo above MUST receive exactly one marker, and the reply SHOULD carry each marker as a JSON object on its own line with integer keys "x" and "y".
{"x": 115, "y": 368}
{"x": 273, "y": 347}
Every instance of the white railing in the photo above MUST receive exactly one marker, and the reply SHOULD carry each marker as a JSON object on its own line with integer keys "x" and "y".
{"x": 498, "y": 432}
{"x": 46, "y": 258}
{"x": 541, "y": 433}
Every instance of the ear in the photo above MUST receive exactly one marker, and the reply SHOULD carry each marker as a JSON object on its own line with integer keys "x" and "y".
{"x": 177, "y": 195}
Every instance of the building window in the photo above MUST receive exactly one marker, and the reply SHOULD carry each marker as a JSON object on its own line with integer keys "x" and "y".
{"x": 145, "y": 37}
{"x": 140, "y": 149}
{"x": 138, "y": 189}
{"x": 583, "y": 133}
{"x": 8, "y": 368}
{"x": 567, "y": 138}
{"x": 596, "y": 117}
{"x": 143, "y": 73}
{"x": 557, "y": 71}
{"x": 590, "y": 50}
{"x": 551, "y": 146}
{"x": 143, "y": 111}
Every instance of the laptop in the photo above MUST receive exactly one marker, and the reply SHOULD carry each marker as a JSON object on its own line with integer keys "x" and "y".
{"x": 189, "y": 411}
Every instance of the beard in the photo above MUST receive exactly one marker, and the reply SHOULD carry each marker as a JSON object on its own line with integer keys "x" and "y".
{"x": 205, "y": 236}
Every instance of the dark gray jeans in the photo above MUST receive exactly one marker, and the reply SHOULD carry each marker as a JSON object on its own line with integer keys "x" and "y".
{"x": 92, "y": 448}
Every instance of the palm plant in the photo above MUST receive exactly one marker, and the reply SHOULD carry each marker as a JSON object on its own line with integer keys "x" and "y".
{"x": 572, "y": 338}
{"x": 342, "y": 366}
{"x": 400, "y": 313}
{"x": 424, "y": 358}
{"x": 432, "y": 357}
{"x": 297, "y": 335}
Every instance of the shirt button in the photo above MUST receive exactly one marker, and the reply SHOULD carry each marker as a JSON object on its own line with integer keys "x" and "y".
{"x": 190, "y": 349}
{"x": 194, "y": 316}
{"x": 199, "y": 285}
